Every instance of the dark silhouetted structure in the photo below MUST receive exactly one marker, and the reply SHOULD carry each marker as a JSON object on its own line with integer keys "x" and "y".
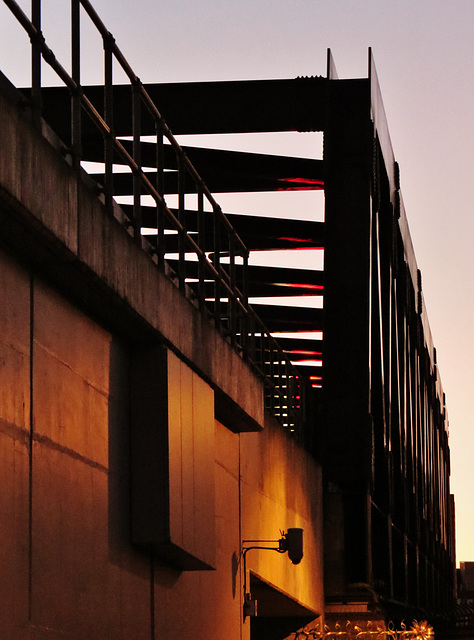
{"x": 151, "y": 422}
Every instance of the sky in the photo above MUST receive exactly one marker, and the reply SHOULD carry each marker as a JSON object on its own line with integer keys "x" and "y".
{"x": 424, "y": 55}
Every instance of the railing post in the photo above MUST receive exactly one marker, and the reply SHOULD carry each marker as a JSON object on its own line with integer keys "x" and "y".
{"x": 76, "y": 136}
{"x": 160, "y": 187}
{"x": 252, "y": 347}
{"x": 269, "y": 370}
{"x": 216, "y": 261}
{"x": 36, "y": 58}
{"x": 286, "y": 392}
{"x": 182, "y": 220}
{"x": 232, "y": 304}
{"x": 108, "y": 43}
{"x": 245, "y": 323}
{"x": 201, "y": 225}
{"x": 137, "y": 208}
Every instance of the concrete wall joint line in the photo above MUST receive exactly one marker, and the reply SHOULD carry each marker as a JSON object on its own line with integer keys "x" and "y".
{"x": 30, "y": 460}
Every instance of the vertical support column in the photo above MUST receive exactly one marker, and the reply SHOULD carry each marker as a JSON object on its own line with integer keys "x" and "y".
{"x": 347, "y": 432}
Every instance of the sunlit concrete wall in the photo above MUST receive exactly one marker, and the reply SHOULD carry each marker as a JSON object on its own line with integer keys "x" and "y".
{"x": 264, "y": 482}
{"x": 69, "y": 568}
{"x": 14, "y": 445}
{"x": 281, "y": 489}
{"x": 63, "y": 572}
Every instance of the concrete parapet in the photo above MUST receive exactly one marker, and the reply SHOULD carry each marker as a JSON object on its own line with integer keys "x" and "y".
{"x": 58, "y": 225}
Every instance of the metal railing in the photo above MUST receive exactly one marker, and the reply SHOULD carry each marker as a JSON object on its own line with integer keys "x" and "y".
{"x": 228, "y": 305}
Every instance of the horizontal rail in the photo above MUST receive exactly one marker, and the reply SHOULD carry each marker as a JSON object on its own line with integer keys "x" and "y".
{"x": 228, "y": 306}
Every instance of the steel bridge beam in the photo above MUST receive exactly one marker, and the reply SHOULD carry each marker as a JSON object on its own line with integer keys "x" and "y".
{"x": 211, "y": 107}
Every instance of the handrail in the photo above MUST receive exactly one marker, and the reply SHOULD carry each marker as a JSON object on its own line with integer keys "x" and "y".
{"x": 229, "y": 309}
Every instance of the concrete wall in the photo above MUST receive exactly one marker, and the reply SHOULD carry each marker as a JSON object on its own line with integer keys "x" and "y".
{"x": 58, "y": 225}
{"x": 14, "y": 446}
{"x": 282, "y": 488}
{"x": 78, "y": 301}
{"x": 68, "y": 567}
{"x": 62, "y": 575}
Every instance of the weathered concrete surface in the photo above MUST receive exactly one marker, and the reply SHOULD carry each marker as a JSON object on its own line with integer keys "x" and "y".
{"x": 71, "y": 378}
{"x": 273, "y": 484}
{"x": 60, "y": 227}
{"x": 209, "y": 604}
{"x": 74, "y": 303}
{"x": 14, "y": 446}
{"x": 68, "y": 568}
{"x": 282, "y": 488}
{"x": 172, "y": 460}
{"x": 64, "y": 572}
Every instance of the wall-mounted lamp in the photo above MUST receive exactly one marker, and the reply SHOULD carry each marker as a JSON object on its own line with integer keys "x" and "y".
{"x": 291, "y": 542}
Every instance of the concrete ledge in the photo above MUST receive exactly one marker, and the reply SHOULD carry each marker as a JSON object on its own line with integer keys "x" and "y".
{"x": 58, "y": 226}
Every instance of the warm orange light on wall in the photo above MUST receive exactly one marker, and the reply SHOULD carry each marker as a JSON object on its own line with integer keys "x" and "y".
{"x": 291, "y": 542}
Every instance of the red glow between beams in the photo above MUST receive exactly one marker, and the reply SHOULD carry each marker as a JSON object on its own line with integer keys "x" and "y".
{"x": 301, "y": 184}
{"x": 305, "y": 353}
{"x": 305, "y": 249}
{"x": 289, "y": 239}
{"x": 300, "y": 286}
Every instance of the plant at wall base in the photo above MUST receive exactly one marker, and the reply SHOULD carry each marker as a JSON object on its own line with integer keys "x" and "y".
{"x": 421, "y": 631}
{"x": 418, "y": 631}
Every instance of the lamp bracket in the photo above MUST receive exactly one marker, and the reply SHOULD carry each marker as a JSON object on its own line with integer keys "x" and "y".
{"x": 284, "y": 544}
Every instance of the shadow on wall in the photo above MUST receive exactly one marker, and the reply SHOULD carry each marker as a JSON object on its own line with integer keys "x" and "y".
{"x": 122, "y": 552}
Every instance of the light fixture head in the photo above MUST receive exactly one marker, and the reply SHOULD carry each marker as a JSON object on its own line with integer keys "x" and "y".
{"x": 292, "y": 542}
